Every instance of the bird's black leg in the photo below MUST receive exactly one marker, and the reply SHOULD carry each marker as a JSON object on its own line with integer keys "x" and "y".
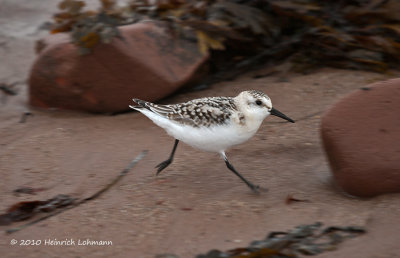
{"x": 254, "y": 188}
{"x": 166, "y": 163}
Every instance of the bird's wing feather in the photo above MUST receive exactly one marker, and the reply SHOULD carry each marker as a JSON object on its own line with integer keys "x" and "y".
{"x": 198, "y": 112}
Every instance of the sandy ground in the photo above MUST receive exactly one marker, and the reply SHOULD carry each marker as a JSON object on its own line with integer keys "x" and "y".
{"x": 194, "y": 205}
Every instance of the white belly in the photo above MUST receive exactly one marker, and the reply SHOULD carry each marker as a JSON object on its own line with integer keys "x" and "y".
{"x": 215, "y": 138}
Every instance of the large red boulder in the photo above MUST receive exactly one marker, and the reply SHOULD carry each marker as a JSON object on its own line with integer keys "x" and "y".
{"x": 361, "y": 137}
{"x": 147, "y": 64}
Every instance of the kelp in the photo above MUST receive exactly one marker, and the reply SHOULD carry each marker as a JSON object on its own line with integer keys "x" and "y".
{"x": 356, "y": 34}
{"x": 303, "y": 240}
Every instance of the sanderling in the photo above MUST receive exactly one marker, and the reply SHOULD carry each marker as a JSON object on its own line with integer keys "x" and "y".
{"x": 212, "y": 124}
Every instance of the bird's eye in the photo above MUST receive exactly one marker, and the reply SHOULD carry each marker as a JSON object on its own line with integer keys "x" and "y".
{"x": 258, "y": 102}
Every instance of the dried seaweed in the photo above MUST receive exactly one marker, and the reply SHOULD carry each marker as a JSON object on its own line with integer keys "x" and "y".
{"x": 302, "y": 240}
{"x": 27, "y": 190}
{"x": 25, "y": 210}
{"x": 56, "y": 205}
{"x": 8, "y": 89}
{"x": 357, "y": 34}
{"x": 291, "y": 199}
{"x": 88, "y": 28}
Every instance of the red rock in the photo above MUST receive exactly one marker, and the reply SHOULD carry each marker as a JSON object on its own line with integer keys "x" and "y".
{"x": 148, "y": 64}
{"x": 361, "y": 137}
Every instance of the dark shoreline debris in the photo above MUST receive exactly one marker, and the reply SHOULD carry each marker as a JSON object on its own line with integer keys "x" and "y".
{"x": 309, "y": 239}
{"x": 24, "y": 116}
{"x": 8, "y": 88}
{"x": 56, "y": 205}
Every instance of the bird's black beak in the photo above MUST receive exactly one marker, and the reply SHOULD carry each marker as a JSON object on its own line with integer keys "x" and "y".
{"x": 276, "y": 112}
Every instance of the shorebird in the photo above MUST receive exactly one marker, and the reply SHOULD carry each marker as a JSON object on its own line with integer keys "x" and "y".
{"x": 213, "y": 123}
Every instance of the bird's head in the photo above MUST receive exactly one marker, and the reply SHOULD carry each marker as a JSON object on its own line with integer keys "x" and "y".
{"x": 258, "y": 105}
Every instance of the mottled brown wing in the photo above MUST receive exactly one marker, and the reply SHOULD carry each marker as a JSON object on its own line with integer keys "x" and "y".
{"x": 203, "y": 112}
{"x": 199, "y": 112}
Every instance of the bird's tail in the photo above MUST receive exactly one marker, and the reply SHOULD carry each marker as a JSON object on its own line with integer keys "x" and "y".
{"x": 140, "y": 104}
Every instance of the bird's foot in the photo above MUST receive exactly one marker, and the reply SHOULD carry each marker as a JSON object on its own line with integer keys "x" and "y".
{"x": 160, "y": 167}
{"x": 257, "y": 189}
{"x": 254, "y": 188}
